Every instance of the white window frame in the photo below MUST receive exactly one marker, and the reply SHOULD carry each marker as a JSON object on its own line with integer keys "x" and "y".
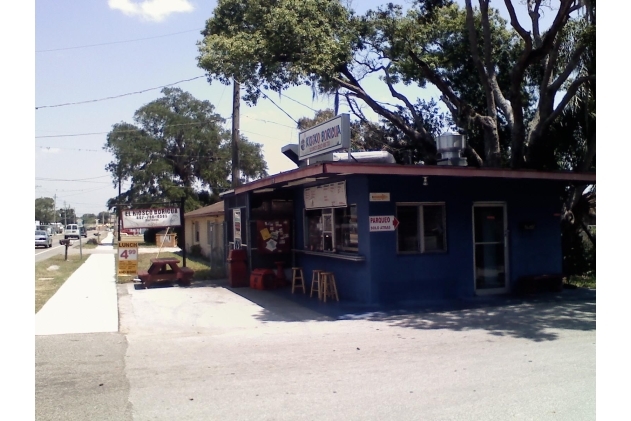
{"x": 421, "y": 228}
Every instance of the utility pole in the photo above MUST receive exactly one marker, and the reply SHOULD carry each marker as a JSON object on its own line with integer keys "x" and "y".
{"x": 118, "y": 209}
{"x": 65, "y": 214}
{"x": 55, "y": 211}
{"x": 236, "y": 104}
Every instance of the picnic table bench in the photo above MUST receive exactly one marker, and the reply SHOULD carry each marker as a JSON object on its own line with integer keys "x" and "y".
{"x": 166, "y": 269}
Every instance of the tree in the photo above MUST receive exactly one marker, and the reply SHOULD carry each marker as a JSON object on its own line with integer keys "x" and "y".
{"x": 45, "y": 210}
{"x": 104, "y": 217}
{"x": 88, "y": 218}
{"x": 66, "y": 215}
{"x": 177, "y": 148}
{"x": 498, "y": 81}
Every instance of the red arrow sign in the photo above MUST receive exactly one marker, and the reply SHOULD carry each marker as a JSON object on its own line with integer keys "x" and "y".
{"x": 395, "y": 223}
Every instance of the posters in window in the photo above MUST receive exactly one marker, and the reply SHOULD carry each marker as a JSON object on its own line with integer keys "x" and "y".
{"x": 331, "y": 195}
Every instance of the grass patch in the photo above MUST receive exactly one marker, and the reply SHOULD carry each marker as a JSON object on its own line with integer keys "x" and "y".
{"x": 587, "y": 280}
{"x": 201, "y": 266}
{"x": 47, "y": 282}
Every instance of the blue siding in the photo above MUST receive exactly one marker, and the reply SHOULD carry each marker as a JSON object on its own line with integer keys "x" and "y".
{"x": 386, "y": 276}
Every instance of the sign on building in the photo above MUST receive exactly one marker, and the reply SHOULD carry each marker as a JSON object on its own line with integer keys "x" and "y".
{"x": 329, "y": 136}
{"x": 383, "y": 223}
{"x": 127, "y": 258}
{"x": 151, "y": 218}
{"x": 326, "y": 196}
{"x": 236, "y": 225}
{"x": 379, "y": 197}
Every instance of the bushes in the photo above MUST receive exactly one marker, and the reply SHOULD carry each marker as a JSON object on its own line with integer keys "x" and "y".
{"x": 196, "y": 250}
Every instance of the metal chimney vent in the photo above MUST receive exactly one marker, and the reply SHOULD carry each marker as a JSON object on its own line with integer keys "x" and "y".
{"x": 450, "y": 147}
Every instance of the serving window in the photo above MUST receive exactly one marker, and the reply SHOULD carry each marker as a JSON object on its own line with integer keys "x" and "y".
{"x": 332, "y": 229}
{"x": 421, "y": 228}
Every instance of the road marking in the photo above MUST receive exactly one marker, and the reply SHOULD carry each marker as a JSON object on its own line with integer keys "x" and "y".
{"x": 47, "y": 250}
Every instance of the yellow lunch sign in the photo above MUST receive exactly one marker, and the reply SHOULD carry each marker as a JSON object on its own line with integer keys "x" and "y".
{"x": 127, "y": 258}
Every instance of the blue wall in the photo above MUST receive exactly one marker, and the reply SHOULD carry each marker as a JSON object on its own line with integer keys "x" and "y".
{"x": 386, "y": 276}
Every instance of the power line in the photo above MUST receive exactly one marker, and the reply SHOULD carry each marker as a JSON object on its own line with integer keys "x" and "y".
{"x": 277, "y": 106}
{"x": 121, "y": 131}
{"x": 298, "y": 102}
{"x": 116, "y": 42}
{"x": 117, "y": 96}
{"x": 77, "y": 180}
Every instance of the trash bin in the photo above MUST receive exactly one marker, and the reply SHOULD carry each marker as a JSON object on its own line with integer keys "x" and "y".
{"x": 238, "y": 269}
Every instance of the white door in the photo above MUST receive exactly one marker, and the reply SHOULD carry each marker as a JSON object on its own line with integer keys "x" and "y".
{"x": 490, "y": 248}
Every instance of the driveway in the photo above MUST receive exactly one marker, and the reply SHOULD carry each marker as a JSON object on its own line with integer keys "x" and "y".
{"x": 210, "y": 352}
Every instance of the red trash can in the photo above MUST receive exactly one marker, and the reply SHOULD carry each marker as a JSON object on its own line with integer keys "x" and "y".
{"x": 238, "y": 269}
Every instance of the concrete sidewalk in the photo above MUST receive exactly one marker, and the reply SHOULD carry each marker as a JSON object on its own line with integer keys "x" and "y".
{"x": 87, "y": 301}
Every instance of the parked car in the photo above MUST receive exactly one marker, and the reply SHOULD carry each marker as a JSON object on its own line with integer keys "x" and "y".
{"x": 83, "y": 232}
{"x": 42, "y": 238}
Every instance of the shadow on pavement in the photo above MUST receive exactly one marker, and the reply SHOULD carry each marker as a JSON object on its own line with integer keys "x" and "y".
{"x": 531, "y": 317}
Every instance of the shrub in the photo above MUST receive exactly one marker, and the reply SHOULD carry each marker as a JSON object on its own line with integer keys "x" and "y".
{"x": 92, "y": 241}
{"x": 196, "y": 250}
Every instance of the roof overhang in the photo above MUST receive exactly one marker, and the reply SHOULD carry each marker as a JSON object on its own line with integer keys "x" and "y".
{"x": 322, "y": 171}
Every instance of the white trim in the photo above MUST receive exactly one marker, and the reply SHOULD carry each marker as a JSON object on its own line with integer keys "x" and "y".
{"x": 504, "y": 206}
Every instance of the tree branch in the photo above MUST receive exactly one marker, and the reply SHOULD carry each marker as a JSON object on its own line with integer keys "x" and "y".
{"x": 569, "y": 68}
{"x": 418, "y": 120}
{"x": 525, "y": 35}
{"x": 569, "y": 94}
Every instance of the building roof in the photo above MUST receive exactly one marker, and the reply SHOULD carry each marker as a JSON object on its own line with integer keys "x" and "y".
{"x": 325, "y": 170}
{"x": 216, "y": 209}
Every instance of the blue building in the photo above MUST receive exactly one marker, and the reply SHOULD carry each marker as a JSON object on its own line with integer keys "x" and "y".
{"x": 394, "y": 233}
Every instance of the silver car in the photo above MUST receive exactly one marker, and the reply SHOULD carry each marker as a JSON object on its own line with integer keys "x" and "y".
{"x": 42, "y": 238}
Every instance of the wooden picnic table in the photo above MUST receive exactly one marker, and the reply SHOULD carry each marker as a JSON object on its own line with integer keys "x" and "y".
{"x": 166, "y": 269}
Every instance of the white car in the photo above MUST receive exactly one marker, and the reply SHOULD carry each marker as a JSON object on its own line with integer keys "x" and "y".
{"x": 43, "y": 239}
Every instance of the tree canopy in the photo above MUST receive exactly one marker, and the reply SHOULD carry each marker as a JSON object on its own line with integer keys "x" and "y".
{"x": 177, "y": 147}
{"x": 506, "y": 87}
{"x": 45, "y": 210}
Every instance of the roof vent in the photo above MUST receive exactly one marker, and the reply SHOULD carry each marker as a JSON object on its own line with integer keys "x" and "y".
{"x": 450, "y": 147}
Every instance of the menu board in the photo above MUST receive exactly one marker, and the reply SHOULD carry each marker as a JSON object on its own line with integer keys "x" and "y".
{"x": 273, "y": 236}
{"x": 326, "y": 196}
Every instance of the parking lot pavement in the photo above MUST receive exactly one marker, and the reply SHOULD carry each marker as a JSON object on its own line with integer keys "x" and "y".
{"x": 208, "y": 352}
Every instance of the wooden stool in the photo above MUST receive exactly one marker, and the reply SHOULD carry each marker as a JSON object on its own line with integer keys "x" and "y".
{"x": 315, "y": 279}
{"x": 329, "y": 288}
{"x": 297, "y": 275}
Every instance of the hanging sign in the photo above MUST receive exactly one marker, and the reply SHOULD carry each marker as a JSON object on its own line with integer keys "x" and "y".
{"x": 151, "y": 218}
{"x": 127, "y": 258}
{"x": 326, "y": 196}
{"x": 383, "y": 223}
{"x": 326, "y": 137}
{"x": 236, "y": 227}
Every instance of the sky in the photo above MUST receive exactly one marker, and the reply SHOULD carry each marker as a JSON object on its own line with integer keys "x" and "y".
{"x": 90, "y": 50}
{"x": 64, "y": 74}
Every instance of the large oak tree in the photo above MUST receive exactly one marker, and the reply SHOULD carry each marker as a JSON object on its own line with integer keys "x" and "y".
{"x": 177, "y": 148}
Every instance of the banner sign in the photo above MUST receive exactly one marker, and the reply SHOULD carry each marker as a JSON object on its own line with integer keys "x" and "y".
{"x": 151, "y": 218}
{"x": 326, "y": 196}
{"x": 326, "y": 137}
{"x": 379, "y": 197}
{"x": 236, "y": 226}
{"x": 127, "y": 258}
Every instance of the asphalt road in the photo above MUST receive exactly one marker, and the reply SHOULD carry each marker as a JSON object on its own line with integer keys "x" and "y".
{"x": 209, "y": 353}
{"x": 46, "y": 253}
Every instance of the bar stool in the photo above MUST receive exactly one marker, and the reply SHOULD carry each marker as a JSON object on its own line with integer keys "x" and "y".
{"x": 329, "y": 288}
{"x": 315, "y": 279}
{"x": 297, "y": 275}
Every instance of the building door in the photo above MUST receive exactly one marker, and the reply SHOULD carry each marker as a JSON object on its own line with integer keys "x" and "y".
{"x": 490, "y": 248}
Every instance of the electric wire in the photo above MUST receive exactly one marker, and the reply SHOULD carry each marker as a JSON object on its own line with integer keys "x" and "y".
{"x": 116, "y": 42}
{"x": 118, "y": 96}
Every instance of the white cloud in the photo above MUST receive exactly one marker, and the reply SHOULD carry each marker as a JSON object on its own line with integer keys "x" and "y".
{"x": 155, "y": 10}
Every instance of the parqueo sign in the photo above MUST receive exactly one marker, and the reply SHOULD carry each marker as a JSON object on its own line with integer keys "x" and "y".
{"x": 383, "y": 223}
